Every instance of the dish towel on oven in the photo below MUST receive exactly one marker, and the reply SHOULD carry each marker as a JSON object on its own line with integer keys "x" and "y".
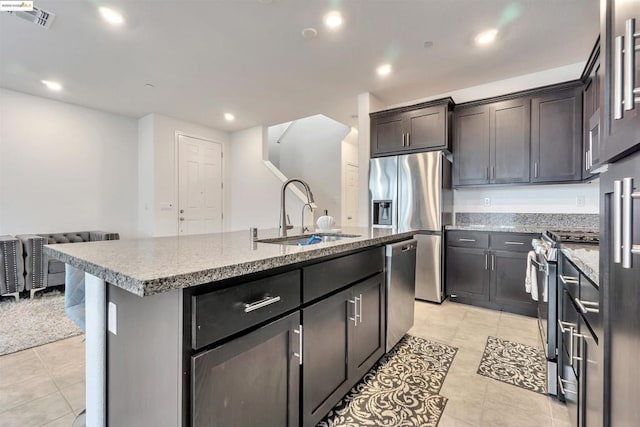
{"x": 531, "y": 278}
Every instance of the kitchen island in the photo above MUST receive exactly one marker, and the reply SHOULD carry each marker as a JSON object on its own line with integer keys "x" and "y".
{"x": 210, "y": 327}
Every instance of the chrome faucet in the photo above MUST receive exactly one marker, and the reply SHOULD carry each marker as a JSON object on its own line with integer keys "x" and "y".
{"x": 283, "y": 212}
{"x": 304, "y": 228}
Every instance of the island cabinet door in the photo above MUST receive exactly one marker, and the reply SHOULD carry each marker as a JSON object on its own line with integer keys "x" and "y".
{"x": 252, "y": 379}
{"x": 367, "y": 341}
{"x": 325, "y": 372}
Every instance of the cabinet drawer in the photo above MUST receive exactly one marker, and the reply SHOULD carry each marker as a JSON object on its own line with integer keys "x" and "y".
{"x": 468, "y": 239}
{"x": 511, "y": 242}
{"x": 325, "y": 277}
{"x": 569, "y": 277}
{"x": 219, "y": 314}
{"x": 589, "y": 304}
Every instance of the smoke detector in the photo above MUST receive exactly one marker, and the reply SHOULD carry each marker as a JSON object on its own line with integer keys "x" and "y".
{"x": 38, "y": 16}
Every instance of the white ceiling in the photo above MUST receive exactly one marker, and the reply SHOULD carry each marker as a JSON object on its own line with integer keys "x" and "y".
{"x": 248, "y": 57}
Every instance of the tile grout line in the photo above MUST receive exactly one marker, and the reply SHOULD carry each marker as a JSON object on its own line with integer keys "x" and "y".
{"x": 54, "y": 382}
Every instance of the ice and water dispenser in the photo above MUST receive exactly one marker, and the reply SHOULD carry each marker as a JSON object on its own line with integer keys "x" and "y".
{"x": 382, "y": 212}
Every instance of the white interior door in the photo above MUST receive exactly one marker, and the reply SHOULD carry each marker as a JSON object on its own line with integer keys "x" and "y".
{"x": 199, "y": 186}
{"x": 351, "y": 194}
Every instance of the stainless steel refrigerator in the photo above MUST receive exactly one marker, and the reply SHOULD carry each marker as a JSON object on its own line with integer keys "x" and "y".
{"x": 413, "y": 192}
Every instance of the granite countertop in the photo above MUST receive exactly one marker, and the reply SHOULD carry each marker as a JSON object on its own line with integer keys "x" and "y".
{"x": 585, "y": 257}
{"x": 505, "y": 228}
{"x": 155, "y": 265}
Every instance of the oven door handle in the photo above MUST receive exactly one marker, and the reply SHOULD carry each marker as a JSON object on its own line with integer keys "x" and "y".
{"x": 541, "y": 266}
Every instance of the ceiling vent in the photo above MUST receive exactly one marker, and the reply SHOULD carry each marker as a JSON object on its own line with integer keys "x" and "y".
{"x": 40, "y": 17}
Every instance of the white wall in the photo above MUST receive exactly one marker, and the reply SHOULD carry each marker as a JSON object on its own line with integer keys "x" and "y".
{"x": 255, "y": 189}
{"x": 558, "y": 198}
{"x": 311, "y": 149}
{"x": 65, "y": 167}
{"x": 349, "y": 156}
{"x": 160, "y": 157}
{"x": 367, "y": 103}
{"x": 506, "y": 86}
{"x": 274, "y": 133}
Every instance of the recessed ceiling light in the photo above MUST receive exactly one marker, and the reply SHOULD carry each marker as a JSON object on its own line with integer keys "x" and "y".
{"x": 229, "y": 117}
{"x": 111, "y": 16}
{"x": 384, "y": 70}
{"x": 333, "y": 19}
{"x": 486, "y": 37}
{"x": 428, "y": 44}
{"x": 309, "y": 33}
{"x": 149, "y": 85}
{"x": 54, "y": 86}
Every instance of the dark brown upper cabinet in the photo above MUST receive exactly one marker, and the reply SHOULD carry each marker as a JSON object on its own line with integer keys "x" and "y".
{"x": 592, "y": 78}
{"x": 620, "y": 109}
{"x": 492, "y": 143}
{"x": 471, "y": 146}
{"x": 556, "y": 136}
{"x": 510, "y": 141}
{"x": 423, "y": 127}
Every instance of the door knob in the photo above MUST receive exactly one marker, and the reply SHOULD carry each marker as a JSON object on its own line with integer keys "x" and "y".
{"x": 181, "y": 210}
{"x": 181, "y": 218}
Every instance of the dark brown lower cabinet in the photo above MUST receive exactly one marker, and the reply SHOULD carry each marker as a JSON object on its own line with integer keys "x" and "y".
{"x": 482, "y": 269}
{"x": 468, "y": 273}
{"x": 343, "y": 338}
{"x": 507, "y": 286}
{"x": 254, "y": 377}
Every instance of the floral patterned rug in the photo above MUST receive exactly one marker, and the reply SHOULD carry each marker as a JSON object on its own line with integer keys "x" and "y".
{"x": 401, "y": 390}
{"x": 514, "y": 363}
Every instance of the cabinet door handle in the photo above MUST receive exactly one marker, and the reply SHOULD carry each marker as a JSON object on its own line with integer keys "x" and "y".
{"x": 535, "y": 169}
{"x": 404, "y": 140}
{"x": 588, "y": 306}
{"x": 466, "y": 240}
{"x": 493, "y": 262}
{"x": 360, "y": 310}
{"x": 513, "y": 243}
{"x": 562, "y": 390}
{"x": 616, "y": 211}
{"x": 260, "y": 304}
{"x": 617, "y": 77}
{"x": 355, "y": 311}
{"x": 567, "y": 325}
{"x": 486, "y": 261}
{"x": 627, "y": 221}
{"x": 299, "y": 353}
{"x": 408, "y": 139}
{"x": 630, "y": 64}
{"x": 493, "y": 172}
{"x": 569, "y": 280}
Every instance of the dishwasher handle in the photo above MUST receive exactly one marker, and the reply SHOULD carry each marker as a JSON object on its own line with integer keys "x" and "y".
{"x": 400, "y": 247}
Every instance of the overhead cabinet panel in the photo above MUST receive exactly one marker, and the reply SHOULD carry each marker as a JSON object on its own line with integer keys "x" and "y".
{"x": 557, "y": 137}
{"x": 510, "y": 141}
{"x": 422, "y": 127}
{"x": 472, "y": 159}
{"x": 387, "y": 134}
{"x": 427, "y": 128}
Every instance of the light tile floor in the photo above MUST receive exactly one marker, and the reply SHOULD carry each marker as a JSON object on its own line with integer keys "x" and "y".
{"x": 44, "y": 386}
{"x": 475, "y": 400}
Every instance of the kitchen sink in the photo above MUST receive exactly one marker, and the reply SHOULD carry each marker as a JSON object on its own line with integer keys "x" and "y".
{"x": 305, "y": 239}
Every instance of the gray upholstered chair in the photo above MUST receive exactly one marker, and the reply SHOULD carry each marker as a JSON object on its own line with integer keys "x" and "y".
{"x": 40, "y": 271}
{"x": 11, "y": 267}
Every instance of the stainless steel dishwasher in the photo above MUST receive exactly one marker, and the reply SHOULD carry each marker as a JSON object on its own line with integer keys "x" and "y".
{"x": 401, "y": 289}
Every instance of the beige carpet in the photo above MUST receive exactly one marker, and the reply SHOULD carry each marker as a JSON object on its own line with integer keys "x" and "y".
{"x": 30, "y": 323}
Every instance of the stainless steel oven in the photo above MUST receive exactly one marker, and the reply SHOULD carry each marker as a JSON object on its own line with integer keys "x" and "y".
{"x": 547, "y": 309}
{"x": 546, "y": 260}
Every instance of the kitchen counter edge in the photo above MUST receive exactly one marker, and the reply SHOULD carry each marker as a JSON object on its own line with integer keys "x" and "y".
{"x": 236, "y": 269}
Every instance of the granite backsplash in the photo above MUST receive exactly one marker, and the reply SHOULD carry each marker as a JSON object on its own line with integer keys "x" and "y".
{"x": 555, "y": 221}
